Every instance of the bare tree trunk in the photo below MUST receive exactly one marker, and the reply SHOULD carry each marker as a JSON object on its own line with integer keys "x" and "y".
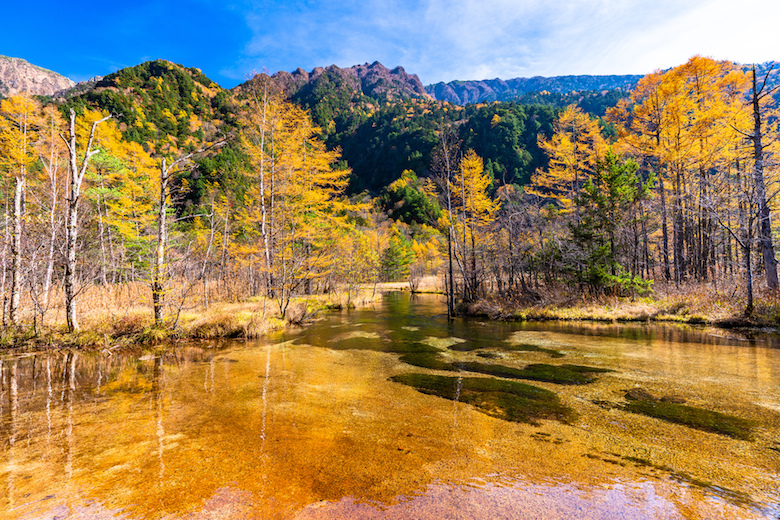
{"x": 444, "y": 164}
{"x": 4, "y": 279}
{"x": 158, "y": 267}
{"x": 76, "y": 174}
{"x": 16, "y": 249}
{"x": 52, "y": 238}
{"x": 101, "y": 235}
{"x": 264, "y": 225}
{"x": 664, "y": 229}
{"x": 748, "y": 244}
{"x": 679, "y": 232}
{"x": 765, "y": 224}
{"x": 16, "y": 239}
{"x": 225, "y": 243}
{"x": 159, "y": 253}
{"x": 450, "y": 283}
{"x": 71, "y": 235}
{"x": 204, "y": 265}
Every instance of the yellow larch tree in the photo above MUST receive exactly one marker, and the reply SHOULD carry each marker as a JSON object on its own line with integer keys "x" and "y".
{"x": 310, "y": 207}
{"x": 474, "y": 210}
{"x": 126, "y": 203}
{"x": 52, "y": 175}
{"x": 643, "y": 121}
{"x": 682, "y": 124}
{"x": 295, "y": 207}
{"x": 18, "y": 126}
{"x": 121, "y": 191}
{"x": 573, "y": 151}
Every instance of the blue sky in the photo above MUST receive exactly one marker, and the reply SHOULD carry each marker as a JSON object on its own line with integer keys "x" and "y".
{"x": 439, "y": 40}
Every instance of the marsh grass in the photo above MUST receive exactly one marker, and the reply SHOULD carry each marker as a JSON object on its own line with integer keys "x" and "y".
{"x": 693, "y": 303}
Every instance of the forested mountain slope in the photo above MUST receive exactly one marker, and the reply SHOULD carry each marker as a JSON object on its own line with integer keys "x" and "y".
{"x": 161, "y": 104}
{"x": 381, "y": 119}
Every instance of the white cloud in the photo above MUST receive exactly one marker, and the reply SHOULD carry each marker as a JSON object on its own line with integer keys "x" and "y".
{"x": 741, "y": 31}
{"x": 443, "y": 40}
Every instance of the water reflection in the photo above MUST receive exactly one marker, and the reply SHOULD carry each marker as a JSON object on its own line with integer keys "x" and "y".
{"x": 308, "y": 425}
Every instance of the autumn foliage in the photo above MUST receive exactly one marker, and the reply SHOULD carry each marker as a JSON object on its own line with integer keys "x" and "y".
{"x": 204, "y": 196}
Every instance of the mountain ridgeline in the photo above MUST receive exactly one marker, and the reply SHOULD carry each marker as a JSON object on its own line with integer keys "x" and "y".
{"x": 466, "y": 92}
{"x": 374, "y": 80}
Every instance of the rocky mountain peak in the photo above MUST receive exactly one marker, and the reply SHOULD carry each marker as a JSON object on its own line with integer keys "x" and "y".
{"x": 18, "y": 75}
{"x": 373, "y": 80}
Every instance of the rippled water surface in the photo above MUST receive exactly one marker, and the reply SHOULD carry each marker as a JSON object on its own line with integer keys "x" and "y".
{"x": 308, "y": 424}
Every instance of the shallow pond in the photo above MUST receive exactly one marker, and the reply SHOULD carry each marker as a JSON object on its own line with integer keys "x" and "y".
{"x": 329, "y": 421}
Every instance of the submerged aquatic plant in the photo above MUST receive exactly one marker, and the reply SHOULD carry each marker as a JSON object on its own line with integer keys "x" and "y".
{"x": 528, "y": 347}
{"x": 430, "y": 360}
{"x": 562, "y": 375}
{"x": 506, "y": 400}
{"x": 694, "y": 417}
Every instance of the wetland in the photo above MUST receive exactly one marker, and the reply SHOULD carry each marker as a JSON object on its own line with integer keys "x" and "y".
{"x": 393, "y": 411}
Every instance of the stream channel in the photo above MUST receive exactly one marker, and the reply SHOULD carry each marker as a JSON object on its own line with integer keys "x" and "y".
{"x": 393, "y": 411}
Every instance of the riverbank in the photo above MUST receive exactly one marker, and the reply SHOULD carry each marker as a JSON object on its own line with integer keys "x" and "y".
{"x": 120, "y": 318}
{"x": 690, "y": 304}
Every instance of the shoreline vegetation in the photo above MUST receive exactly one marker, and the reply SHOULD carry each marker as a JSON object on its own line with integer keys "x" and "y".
{"x": 690, "y": 304}
{"x": 121, "y": 317}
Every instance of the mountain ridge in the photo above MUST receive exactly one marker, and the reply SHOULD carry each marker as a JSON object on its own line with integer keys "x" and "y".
{"x": 19, "y": 75}
{"x": 373, "y": 80}
{"x": 462, "y": 92}
{"x": 467, "y": 92}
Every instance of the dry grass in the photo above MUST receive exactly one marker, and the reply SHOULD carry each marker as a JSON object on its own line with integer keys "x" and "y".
{"x": 695, "y": 303}
{"x": 231, "y": 320}
{"x": 428, "y": 284}
{"x": 121, "y": 315}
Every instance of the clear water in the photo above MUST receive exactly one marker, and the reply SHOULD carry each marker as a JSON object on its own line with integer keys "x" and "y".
{"x": 307, "y": 424}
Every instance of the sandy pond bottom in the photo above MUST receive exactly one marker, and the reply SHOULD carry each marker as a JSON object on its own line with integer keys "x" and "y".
{"x": 310, "y": 426}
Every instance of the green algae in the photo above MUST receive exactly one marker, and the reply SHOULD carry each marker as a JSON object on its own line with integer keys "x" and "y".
{"x": 442, "y": 343}
{"x": 693, "y": 417}
{"x": 536, "y": 372}
{"x": 583, "y": 369}
{"x": 507, "y": 400}
{"x": 429, "y": 360}
{"x": 527, "y": 347}
{"x": 470, "y": 345}
{"x": 381, "y": 345}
